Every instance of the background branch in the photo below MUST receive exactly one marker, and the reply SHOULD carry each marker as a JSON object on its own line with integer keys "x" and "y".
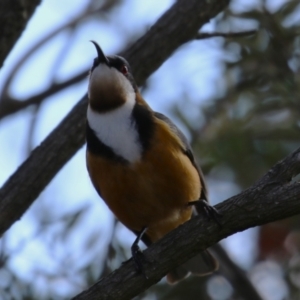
{"x": 234, "y": 274}
{"x": 10, "y": 105}
{"x": 10, "y": 11}
{"x": 152, "y": 49}
{"x": 275, "y": 196}
{"x": 206, "y": 35}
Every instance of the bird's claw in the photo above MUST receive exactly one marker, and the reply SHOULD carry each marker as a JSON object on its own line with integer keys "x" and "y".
{"x": 210, "y": 211}
{"x": 137, "y": 256}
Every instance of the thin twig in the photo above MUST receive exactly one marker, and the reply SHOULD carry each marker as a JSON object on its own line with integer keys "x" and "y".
{"x": 10, "y": 105}
{"x": 206, "y": 35}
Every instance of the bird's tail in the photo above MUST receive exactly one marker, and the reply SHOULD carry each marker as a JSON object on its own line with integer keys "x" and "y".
{"x": 202, "y": 264}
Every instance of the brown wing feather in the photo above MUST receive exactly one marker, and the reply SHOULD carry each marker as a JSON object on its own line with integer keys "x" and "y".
{"x": 187, "y": 151}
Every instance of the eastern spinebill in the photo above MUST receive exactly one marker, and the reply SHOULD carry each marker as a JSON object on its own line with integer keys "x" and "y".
{"x": 140, "y": 163}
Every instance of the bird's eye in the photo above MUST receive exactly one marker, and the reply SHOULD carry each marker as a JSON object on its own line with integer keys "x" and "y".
{"x": 124, "y": 70}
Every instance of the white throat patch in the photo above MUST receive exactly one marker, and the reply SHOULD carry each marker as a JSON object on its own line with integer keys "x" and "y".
{"x": 117, "y": 130}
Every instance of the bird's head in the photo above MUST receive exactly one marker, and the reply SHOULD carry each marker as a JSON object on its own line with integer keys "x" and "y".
{"x": 111, "y": 83}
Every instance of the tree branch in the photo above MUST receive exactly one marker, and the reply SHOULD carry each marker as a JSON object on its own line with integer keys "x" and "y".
{"x": 22, "y": 188}
{"x": 14, "y": 16}
{"x": 9, "y": 105}
{"x": 206, "y": 35}
{"x": 275, "y": 196}
{"x": 177, "y": 26}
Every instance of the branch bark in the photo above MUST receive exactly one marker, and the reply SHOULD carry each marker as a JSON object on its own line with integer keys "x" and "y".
{"x": 275, "y": 196}
{"x": 14, "y": 16}
{"x": 145, "y": 56}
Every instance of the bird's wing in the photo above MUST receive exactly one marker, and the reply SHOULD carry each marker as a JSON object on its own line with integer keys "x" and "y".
{"x": 187, "y": 151}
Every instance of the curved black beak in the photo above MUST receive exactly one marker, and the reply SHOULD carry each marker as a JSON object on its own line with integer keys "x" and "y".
{"x": 101, "y": 56}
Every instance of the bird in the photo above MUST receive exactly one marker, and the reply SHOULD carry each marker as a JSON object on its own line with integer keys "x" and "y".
{"x": 141, "y": 164}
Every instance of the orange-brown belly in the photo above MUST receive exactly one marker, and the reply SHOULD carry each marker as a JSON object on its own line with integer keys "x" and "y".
{"x": 153, "y": 192}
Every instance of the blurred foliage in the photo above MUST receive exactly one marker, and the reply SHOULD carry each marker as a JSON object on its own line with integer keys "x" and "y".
{"x": 250, "y": 123}
{"x": 255, "y": 122}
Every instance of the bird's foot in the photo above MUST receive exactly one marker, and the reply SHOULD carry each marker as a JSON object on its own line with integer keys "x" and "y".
{"x": 137, "y": 256}
{"x": 210, "y": 211}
